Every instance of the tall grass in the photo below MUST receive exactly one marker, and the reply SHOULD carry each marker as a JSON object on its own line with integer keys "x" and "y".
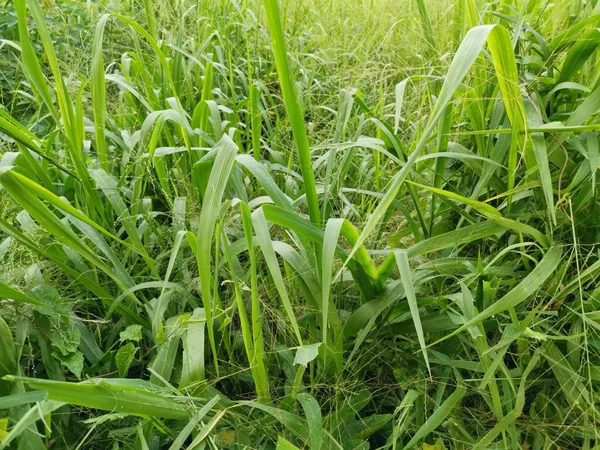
{"x": 324, "y": 225}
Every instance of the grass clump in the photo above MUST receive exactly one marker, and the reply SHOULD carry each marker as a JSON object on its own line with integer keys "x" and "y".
{"x": 324, "y": 225}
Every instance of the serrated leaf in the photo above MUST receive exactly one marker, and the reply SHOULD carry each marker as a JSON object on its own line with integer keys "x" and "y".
{"x": 73, "y": 362}
{"x": 65, "y": 338}
{"x": 124, "y": 357}
{"x": 131, "y": 333}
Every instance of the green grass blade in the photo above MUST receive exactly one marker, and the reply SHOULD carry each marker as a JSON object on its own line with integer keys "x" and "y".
{"x": 255, "y": 121}
{"x": 293, "y": 109}
{"x": 266, "y": 245}
{"x": 12, "y": 293}
{"x": 99, "y": 92}
{"x": 31, "y": 64}
{"x": 409, "y": 290}
{"x": 464, "y": 58}
{"x": 150, "y": 12}
{"x": 295, "y": 424}
{"x": 179, "y": 441}
{"x": 258, "y": 360}
{"x": 217, "y": 182}
{"x": 578, "y": 55}
{"x": 102, "y": 394}
{"x": 491, "y": 213}
{"x": 527, "y": 287}
{"x": 438, "y": 416}
{"x": 284, "y": 444}
{"x": 501, "y": 49}
{"x": 193, "y": 371}
{"x": 330, "y": 240}
{"x": 540, "y": 150}
{"x": 26, "y": 424}
{"x": 8, "y": 360}
{"x": 206, "y": 430}
{"x": 513, "y": 415}
{"x": 312, "y": 410}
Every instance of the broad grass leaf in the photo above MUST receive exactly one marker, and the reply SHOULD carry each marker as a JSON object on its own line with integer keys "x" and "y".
{"x": 164, "y": 361}
{"x": 293, "y": 109}
{"x": 101, "y": 394}
{"x": 226, "y": 150}
{"x": 24, "y": 398}
{"x": 330, "y": 239}
{"x": 578, "y": 54}
{"x": 258, "y": 361}
{"x": 572, "y": 384}
{"x": 504, "y": 424}
{"x": 312, "y": 411}
{"x": 266, "y": 245}
{"x": 409, "y": 291}
{"x": 193, "y": 349}
{"x": 99, "y": 92}
{"x": 540, "y": 151}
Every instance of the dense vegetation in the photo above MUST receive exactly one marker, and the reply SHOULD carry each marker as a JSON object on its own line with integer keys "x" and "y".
{"x": 320, "y": 224}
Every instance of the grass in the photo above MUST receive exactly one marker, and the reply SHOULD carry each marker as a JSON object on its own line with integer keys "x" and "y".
{"x": 284, "y": 224}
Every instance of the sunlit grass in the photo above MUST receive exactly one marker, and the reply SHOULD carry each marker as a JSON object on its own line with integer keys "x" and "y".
{"x": 285, "y": 224}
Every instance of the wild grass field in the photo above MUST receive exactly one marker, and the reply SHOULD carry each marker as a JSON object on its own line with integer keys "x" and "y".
{"x": 299, "y": 224}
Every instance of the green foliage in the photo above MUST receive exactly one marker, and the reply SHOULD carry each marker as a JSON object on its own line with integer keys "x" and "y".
{"x": 324, "y": 225}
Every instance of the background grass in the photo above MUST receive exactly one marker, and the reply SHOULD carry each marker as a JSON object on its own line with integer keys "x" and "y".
{"x": 299, "y": 224}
